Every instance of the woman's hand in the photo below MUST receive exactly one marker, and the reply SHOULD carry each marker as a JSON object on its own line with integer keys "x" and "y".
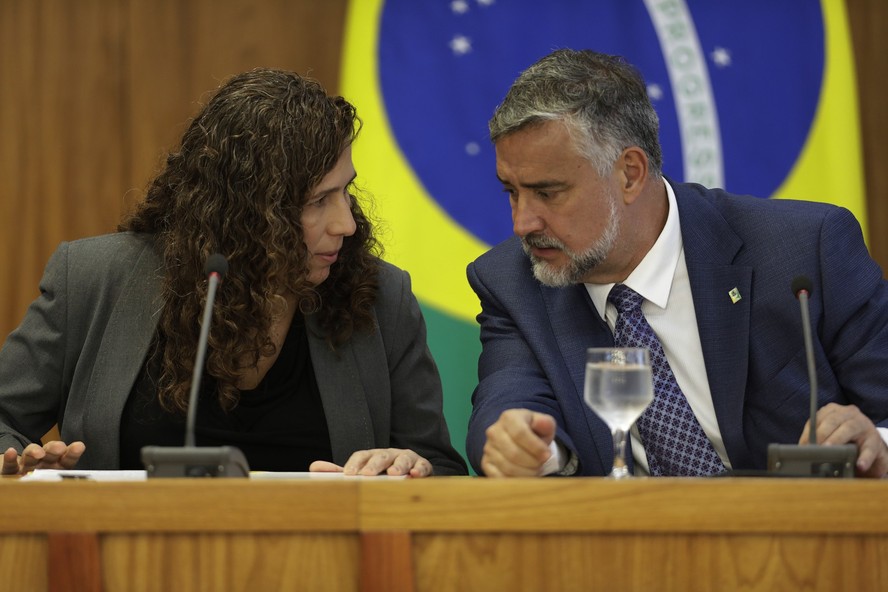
{"x": 52, "y": 455}
{"x": 391, "y": 461}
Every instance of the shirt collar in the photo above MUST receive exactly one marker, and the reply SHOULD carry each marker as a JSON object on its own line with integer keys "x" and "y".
{"x": 652, "y": 277}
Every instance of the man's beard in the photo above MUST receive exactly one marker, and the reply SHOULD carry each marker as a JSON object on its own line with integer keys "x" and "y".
{"x": 579, "y": 264}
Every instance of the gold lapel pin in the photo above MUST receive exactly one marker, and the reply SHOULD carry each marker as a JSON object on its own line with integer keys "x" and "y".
{"x": 735, "y": 295}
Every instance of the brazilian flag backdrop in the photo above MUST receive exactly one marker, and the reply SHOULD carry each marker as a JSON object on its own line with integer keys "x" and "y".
{"x": 754, "y": 96}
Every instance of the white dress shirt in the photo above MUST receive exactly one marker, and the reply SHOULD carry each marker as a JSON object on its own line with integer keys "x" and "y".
{"x": 662, "y": 278}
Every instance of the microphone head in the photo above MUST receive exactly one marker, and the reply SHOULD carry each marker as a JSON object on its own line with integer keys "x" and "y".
{"x": 216, "y": 263}
{"x": 799, "y": 283}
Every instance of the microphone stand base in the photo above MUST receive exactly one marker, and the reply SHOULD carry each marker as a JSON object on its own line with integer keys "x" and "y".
{"x": 194, "y": 461}
{"x": 795, "y": 460}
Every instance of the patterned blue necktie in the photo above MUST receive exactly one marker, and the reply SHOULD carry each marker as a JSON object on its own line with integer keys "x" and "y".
{"x": 674, "y": 442}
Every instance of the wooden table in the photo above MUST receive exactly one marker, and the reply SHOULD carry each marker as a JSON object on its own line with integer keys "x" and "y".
{"x": 458, "y": 534}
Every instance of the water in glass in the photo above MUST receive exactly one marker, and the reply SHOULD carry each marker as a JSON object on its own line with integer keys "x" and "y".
{"x": 619, "y": 387}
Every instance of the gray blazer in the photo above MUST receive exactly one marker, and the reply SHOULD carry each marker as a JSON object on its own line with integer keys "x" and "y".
{"x": 77, "y": 353}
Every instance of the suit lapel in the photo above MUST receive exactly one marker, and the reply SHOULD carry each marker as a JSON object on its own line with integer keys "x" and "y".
{"x": 723, "y": 321}
{"x": 344, "y": 392}
{"x": 119, "y": 359}
{"x": 576, "y": 326}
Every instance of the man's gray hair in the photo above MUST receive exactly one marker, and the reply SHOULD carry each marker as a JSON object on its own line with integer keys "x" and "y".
{"x": 602, "y": 100}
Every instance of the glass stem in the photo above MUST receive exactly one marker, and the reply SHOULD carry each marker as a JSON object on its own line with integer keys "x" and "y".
{"x": 620, "y": 451}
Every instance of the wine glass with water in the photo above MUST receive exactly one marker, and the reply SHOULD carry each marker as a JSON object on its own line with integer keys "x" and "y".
{"x": 619, "y": 387}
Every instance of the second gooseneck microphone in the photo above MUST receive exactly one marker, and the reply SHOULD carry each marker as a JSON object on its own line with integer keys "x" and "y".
{"x": 812, "y": 459}
{"x": 801, "y": 287}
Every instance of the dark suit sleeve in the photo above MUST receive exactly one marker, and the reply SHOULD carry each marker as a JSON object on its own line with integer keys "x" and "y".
{"x": 852, "y": 316}
{"x": 509, "y": 373}
{"x": 417, "y": 415}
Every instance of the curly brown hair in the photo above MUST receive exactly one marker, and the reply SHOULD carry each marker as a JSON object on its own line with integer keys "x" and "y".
{"x": 237, "y": 185}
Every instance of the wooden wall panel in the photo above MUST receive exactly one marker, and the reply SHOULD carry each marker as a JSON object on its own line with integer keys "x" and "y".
{"x": 180, "y": 51}
{"x": 869, "y": 21}
{"x": 60, "y": 150}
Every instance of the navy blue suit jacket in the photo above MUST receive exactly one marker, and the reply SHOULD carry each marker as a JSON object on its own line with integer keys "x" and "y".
{"x": 534, "y": 338}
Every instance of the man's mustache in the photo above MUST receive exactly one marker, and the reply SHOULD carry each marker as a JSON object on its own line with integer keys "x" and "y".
{"x": 540, "y": 241}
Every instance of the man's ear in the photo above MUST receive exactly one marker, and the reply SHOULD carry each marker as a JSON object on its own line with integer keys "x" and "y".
{"x": 633, "y": 166}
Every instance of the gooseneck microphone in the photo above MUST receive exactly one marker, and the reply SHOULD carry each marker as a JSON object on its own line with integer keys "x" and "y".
{"x": 191, "y": 460}
{"x": 801, "y": 287}
{"x": 812, "y": 459}
{"x": 215, "y": 270}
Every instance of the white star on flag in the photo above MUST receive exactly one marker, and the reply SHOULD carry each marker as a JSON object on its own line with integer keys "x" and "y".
{"x": 655, "y": 92}
{"x": 460, "y": 45}
{"x": 459, "y": 6}
{"x": 721, "y": 57}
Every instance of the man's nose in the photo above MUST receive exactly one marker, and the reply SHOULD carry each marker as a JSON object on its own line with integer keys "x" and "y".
{"x": 525, "y": 217}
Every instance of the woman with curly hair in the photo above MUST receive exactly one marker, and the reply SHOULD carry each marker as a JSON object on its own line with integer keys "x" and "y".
{"x": 317, "y": 352}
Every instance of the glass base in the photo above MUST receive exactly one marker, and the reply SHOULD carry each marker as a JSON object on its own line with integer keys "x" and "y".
{"x": 621, "y": 472}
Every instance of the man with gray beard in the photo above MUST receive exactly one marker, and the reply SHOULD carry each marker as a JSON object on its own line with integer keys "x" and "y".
{"x": 578, "y": 153}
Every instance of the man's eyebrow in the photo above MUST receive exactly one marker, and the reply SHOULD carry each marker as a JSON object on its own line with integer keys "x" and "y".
{"x": 544, "y": 184}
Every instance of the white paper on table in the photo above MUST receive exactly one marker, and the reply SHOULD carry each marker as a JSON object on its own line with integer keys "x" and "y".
{"x": 73, "y": 474}
{"x": 137, "y": 475}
